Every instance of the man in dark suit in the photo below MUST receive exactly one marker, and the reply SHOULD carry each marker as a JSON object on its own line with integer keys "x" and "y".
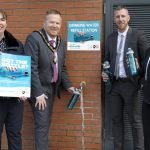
{"x": 47, "y": 51}
{"x": 125, "y": 85}
{"x": 146, "y": 101}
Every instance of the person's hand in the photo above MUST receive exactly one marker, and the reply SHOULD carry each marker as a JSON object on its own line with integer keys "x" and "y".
{"x": 105, "y": 77}
{"x": 71, "y": 90}
{"x": 41, "y": 102}
{"x": 23, "y": 98}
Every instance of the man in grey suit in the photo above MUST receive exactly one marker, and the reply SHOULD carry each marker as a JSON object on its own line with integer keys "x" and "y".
{"x": 125, "y": 85}
{"x": 47, "y": 51}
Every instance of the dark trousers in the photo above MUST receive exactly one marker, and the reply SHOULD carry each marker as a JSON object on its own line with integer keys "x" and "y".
{"x": 11, "y": 115}
{"x": 42, "y": 120}
{"x": 146, "y": 125}
{"x": 124, "y": 93}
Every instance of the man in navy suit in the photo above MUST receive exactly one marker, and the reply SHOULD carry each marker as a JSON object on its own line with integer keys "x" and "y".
{"x": 125, "y": 86}
{"x": 47, "y": 50}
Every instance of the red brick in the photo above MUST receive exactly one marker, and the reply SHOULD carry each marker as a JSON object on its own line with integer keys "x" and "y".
{"x": 66, "y": 130}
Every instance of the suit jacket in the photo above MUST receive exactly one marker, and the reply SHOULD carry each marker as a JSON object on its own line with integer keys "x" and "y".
{"x": 42, "y": 64}
{"x": 147, "y": 77}
{"x": 135, "y": 40}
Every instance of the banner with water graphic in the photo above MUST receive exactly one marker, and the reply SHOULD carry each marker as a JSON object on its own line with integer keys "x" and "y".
{"x": 83, "y": 35}
{"x": 15, "y": 75}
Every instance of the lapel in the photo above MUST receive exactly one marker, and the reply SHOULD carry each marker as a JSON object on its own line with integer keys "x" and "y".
{"x": 128, "y": 39}
{"x": 51, "y": 49}
{"x": 59, "y": 57}
{"x": 126, "y": 46}
{"x": 46, "y": 41}
{"x": 114, "y": 43}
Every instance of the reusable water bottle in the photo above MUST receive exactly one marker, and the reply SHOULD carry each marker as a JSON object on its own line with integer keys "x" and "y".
{"x": 74, "y": 98}
{"x": 106, "y": 69}
{"x": 76, "y": 94}
{"x": 131, "y": 61}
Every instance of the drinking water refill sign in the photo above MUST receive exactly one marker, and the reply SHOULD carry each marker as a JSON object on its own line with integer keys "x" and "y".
{"x": 15, "y": 75}
{"x": 83, "y": 35}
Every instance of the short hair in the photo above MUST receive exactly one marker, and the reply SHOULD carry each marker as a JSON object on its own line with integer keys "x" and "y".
{"x": 120, "y": 7}
{"x": 4, "y": 15}
{"x": 52, "y": 11}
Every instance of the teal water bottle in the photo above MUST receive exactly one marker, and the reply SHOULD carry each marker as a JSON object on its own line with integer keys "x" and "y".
{"x": 131, "y": 62}
{"x": 106, "y": 69}
{"x": 76, "y": 94}
{"x": 74, "y": 99}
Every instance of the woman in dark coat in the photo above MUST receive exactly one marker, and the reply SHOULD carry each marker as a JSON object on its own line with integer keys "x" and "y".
{"x": 11, "y": 109}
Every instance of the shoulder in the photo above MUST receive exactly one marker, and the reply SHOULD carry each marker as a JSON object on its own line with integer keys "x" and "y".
{"x": 113, "y": 34}
{"x": 135, "y": 31}
{"x": 147, "y": 54}
{"x": 34, "y": 35}
{"x": 11, "y": 40}
{"x": 63, "y": 41}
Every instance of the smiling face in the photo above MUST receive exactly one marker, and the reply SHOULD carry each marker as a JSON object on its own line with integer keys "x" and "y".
{"x": 121, "y": 18}
{"x": 3, "y": 24}
{"x": 52, "y": 24}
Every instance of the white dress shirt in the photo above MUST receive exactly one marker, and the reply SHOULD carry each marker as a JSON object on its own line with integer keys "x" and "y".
{"x": 122, "y": 72}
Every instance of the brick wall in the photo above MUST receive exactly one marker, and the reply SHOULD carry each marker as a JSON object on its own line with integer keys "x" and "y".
{"x": 66, "y": 131}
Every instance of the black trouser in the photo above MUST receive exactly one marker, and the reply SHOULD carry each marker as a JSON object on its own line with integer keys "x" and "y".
{"x": 11, "y": 115}
{"x": 124, "y": 93}
{"x": 146, "y": 125}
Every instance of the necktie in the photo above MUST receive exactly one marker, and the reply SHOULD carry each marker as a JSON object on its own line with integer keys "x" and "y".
{"x": 55, "y": 73}
{"x": 51, "y": 42}
{"x": 117, "y": 65}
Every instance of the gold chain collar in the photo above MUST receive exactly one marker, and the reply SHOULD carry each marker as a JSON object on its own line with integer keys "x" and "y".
{"x": 48, "y": 44}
